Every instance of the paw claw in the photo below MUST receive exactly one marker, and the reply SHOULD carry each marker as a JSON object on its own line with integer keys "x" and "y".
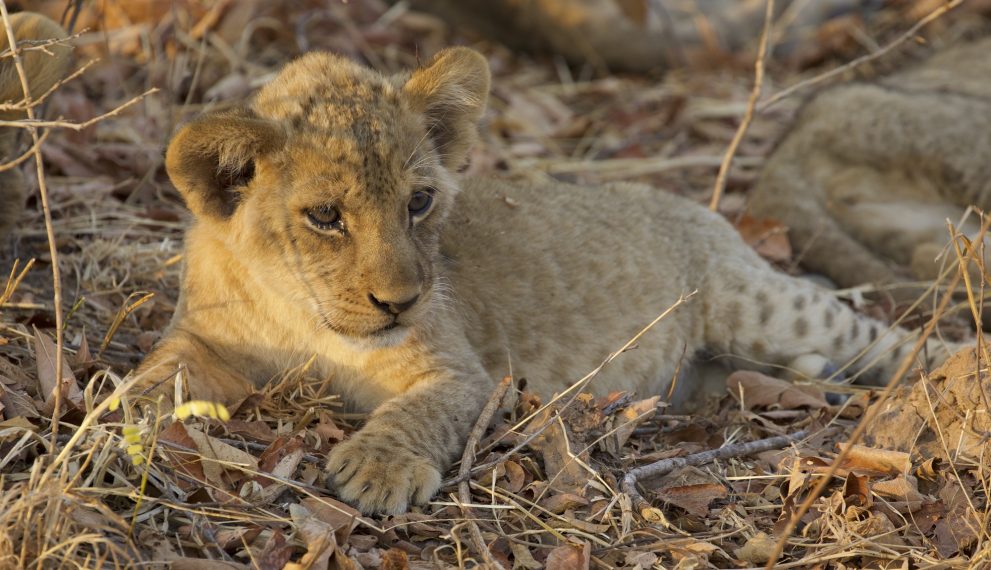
{"x": 380, "y": 482}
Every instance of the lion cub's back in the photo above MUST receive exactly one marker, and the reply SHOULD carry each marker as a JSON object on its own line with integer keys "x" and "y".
{"x": 556, "y": 276}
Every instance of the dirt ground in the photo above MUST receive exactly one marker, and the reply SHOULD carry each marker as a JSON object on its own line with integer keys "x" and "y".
{"x": 113, "y": 488}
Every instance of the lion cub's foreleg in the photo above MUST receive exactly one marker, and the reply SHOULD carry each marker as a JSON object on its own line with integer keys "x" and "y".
{"x": 398, "y": 457}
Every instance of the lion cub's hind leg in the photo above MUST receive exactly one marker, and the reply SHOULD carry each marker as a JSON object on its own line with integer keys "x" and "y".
{"x": 766, "y": 318}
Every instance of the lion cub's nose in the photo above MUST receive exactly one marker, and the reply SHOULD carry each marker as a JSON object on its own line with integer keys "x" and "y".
{"x": 393, "y": 307}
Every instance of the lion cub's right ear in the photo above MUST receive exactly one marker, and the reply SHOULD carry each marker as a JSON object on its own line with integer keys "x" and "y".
{"x": 451, "y": 91}
{"x": 212, "y": 159}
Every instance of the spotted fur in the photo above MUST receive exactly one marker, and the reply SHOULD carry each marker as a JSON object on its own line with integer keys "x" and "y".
{"x": 870, "y": 172}
{"x": 547, "y": 278}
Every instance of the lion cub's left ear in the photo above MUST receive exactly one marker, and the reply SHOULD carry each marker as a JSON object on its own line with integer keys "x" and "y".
{"x": 451, "y": 91}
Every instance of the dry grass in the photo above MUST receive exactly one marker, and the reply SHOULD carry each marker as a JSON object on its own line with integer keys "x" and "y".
{"x": 544, "y": 488}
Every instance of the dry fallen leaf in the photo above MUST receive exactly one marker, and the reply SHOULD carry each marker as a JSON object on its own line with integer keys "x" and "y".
{"x": 338, "y": 516}
{"x": 901, "y": 488}
{"x": 757, "y": 549}
{"x": 694, "y": 498}
{"x": 758, "y": 390}
{"x": 569, "y": 557}
{"x": 631, "y": 417}
{"x": 71, "y": 395}
{"x": 564, "y": 472}
{"x": 869, "y": 460}
{"x": 768, "y": 237}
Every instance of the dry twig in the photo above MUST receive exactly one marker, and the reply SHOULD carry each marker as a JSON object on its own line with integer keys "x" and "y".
{"x": 464, "y": 492}
{"x": 46, "y": 208}
{"x": 909, "y": 34}
{"x": 748, "y": 116}
{"x": 629, "y": 483}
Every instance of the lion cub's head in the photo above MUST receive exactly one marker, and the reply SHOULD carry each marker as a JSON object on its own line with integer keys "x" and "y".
{"x": 333, "y": 185}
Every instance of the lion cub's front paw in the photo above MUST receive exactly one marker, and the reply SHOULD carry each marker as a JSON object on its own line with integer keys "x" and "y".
{"x": 371, "y": 472}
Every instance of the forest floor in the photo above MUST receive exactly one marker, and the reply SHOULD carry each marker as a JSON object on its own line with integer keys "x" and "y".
{"x": 247, "y": 493}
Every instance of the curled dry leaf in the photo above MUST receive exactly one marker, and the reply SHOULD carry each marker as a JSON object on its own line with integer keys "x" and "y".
{"x": 870, "y": 460}
{"x": 769, "y": 238}
{"x": 856, "y": 490}
{"x": 569, "y": 557}
{"x": 561, "y": 502}
{"x": 757, "y": 549}
{"x": 45, "y": 349}
{"x": 280, "y": 459}
{"x": 317, "y": 535}
{"x": 756, "y": 390}
{"x": 695, "y": 499}
{"x": 631, "y": 417}
{"x": 341, "y": 518}
{"x": 901, "y": 488}
{"x": 562, "y": 468}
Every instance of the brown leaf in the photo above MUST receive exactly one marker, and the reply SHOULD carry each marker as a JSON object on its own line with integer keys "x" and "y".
{"x": 184, "y": 462}
{"x": 869, "y": 460}
{"x": 513, "y": 478}
{"x": 563, "y": 472}
{"x": 768, "y": 237}
{"x": 856, "y": 491}
{"x": 761, "y": 391}
{"x": 694, "y": 498}
{"x": 71, "y": 395}
{"x": 757, "y": 549}
{"x": 569, "y": 557}
{"x": 957, "y": 531}
{"x": 328, "y": 431}
{"x": 338, "y": 516}
{"x": 276, "y": 553}
{"x": 523, "y": 558}
{"x": 632, "y": 416}
{"x": 561, "y": 502}
{"x": 901, "y": 488}
{"x": 317, "y": 535}
{"x": 204, "y": 564}
{"x": 276, "y": 454}
{"x": 395, "y": 559}
{"x": 219, "y": 459}
{"x": 17, "y": 404}
{"x": 256, "y": 431}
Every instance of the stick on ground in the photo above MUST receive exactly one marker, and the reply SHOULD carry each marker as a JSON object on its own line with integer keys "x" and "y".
{"x": 464, "y": 493}
{"x": 629, "y": 484}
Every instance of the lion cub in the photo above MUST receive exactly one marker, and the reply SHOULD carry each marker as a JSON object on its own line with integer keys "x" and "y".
{"x": 330, "y": 225}
{"x": 43, "y": 69}
{"x": 870, "y": 172}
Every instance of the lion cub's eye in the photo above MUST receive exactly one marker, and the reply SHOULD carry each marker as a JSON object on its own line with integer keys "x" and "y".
{"x": 324, "y": 217}
{"x": 420, "y": 202}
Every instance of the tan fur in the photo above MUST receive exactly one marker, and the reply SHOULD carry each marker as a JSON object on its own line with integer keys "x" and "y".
{"x": 548, "y": 277}
{"x": 43, "y": 70}
{"x": 869, "y": 174}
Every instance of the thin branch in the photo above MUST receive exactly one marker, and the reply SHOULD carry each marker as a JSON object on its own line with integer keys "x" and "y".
{"x": 748, "y": 116}
{"x": 32, "y": 123}
{"x": 46, "y": 208}
{"x": 464, "y": 492}
{"x": 27, "y": 154}
{"x": 629, "y": 483}
{"x": 909, "y": 34}
{"x": 24, "y": 104}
